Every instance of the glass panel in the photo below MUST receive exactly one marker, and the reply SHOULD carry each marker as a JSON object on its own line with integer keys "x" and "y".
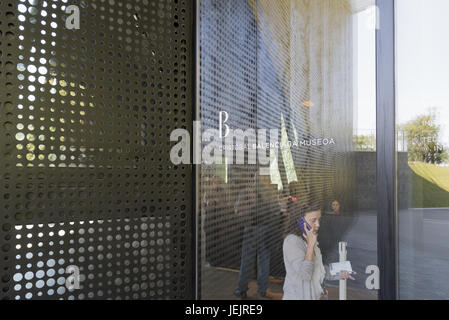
{"x": 294, "y": 83}
{"x": 423, "y": 139}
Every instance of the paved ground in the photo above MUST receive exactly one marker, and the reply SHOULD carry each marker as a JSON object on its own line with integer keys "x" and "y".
{"x": 219, "y": 284}
{"x": 423, "y": 251}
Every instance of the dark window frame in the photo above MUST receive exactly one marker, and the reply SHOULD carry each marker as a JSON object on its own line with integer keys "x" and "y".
{"x": 387, "y": 234}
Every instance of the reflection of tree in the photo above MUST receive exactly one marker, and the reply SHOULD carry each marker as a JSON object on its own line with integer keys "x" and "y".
{"x": 53, "y": 143}
{"x": 365, "y": 142}
{"x": 422, "y": 136}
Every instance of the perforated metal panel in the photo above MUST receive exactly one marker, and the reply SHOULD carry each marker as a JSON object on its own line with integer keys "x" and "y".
{"x": 86, "y": 176}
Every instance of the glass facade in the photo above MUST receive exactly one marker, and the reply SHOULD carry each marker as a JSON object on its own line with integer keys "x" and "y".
{"x": 287, "y": 105}
{"x": 422, "y": 117}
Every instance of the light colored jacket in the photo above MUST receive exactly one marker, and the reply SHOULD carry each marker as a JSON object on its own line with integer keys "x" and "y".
{"x": 298, "y": 283}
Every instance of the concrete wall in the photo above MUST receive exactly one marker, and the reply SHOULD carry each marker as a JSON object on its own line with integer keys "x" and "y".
{"x": 365, "y": 191}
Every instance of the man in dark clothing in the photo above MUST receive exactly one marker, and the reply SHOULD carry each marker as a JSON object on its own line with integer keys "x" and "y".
{"x": 334, "y": 225}
{"x": 258, "y": 214}
{"x": 214, "y": 211}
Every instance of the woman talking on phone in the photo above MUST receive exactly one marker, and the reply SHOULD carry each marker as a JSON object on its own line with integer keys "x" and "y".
{"x": 305, "y": 272}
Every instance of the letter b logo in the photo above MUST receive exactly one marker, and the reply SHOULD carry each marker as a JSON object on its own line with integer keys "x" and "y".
{"x": 221, "y": 124}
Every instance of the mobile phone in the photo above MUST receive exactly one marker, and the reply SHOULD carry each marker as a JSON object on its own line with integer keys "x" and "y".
{"x": 301, "y": 225}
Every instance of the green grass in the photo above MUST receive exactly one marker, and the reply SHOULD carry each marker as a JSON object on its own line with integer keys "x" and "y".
{"x": 430, "y": 185}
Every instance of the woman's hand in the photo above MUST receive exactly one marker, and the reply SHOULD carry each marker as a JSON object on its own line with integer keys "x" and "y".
{"x": 311, "y": 237}
{"x": 346, "y": 275}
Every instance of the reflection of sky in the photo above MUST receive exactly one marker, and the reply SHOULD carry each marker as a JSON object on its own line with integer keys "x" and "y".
{"x": 422, "y": 65}
{"x": 421, "y": 62}
{"x": 364, "y": 72}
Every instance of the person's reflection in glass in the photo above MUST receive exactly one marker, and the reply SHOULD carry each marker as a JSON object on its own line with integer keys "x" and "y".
{"x": 276, "y": 238}
{"x": 213, "y": 208}
{"x": 293, "y": 202}
{"x": 333, "y": 226}
{"x": 335, "y": 207}
{"x": 254, "y": 243}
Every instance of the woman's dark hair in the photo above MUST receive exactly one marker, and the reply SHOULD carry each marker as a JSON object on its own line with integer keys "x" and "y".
{"x": 309, "y": 208}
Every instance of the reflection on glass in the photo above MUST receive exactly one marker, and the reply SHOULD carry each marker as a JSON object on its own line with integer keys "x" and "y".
{"x": 304, "y": 73}
{"x": 423, "y": 141}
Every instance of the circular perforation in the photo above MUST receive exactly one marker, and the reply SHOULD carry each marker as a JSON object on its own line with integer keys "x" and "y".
{"x": 86, "y": 118}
